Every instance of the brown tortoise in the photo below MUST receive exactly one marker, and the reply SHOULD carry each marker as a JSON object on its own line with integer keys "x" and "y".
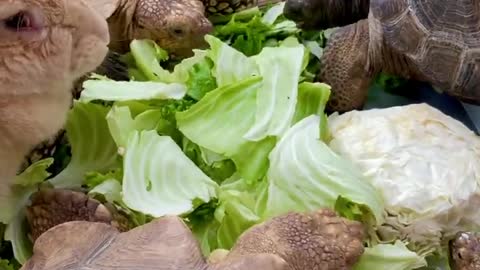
{"x": 293, "y": 241}
{"x": 57, "y": 215}
{"x": 426, "y": 40}
{"x": 465, "y": 251}
{"x": 176, "y": 25}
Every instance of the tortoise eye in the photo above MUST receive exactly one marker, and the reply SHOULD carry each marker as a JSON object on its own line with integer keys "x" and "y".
{"x": 178, "y": 31}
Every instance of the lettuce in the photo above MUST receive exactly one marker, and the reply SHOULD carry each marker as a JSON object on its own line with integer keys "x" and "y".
{"x": 25, "y": 185}
{"x": 229, "y": 65}
{"x": 214, "y": 124}
{"x": 159, "y": 179}
{"x": 305, "y": 175}
{"x": 120, "y": 91}
{"x": 280, "y": 68}
{"x": 390, "y": 256}
{"x": 93, "y": 148}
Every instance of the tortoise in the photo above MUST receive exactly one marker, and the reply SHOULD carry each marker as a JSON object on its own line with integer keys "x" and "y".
{"x": 432, "y": 41}
{"x": 175, "y": 25}
{"x": 313, "y": 240}
{"x": 56, "y": 212}
{"x": 45, "y": 45}
{"x": 465, "y": 251}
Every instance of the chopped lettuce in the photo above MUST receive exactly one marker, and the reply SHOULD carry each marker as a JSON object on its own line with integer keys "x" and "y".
{"x": 230, "y": 65}
{"x": 312, "y": 98}
{"x": 26, "y": 184}
{"x": 272, "y": 14}
{"x": 280, "y": 68}
{"x": 159, "y": 179}
{"x": 121, "y": 122}
{"x": 305, "y": 175}
{"x": 93, "y": 148}
{"x": 120, "y": 91}
{"x": 147, "y": 56}
{"x": 201, "y": 79}
{"x": 6, "y": 265}
{"x": 390, "y": 256}
{"x": 218, "y": 121}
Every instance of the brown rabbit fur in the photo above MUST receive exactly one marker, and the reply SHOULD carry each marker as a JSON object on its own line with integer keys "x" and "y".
{"x": 45, "y": 45}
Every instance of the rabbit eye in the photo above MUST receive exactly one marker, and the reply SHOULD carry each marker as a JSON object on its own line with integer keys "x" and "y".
{"x": 22, "y": 22}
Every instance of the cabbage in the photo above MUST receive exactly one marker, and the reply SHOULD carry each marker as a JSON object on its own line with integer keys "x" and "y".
{"x": 305, "y": 175}
{"x": 159, "y": 179}
{"x": 425, "y": 164}
{"x": 389, "y": 256}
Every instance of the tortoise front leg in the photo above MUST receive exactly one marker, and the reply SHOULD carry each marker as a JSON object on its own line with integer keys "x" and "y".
{"x": 344, "y": 67}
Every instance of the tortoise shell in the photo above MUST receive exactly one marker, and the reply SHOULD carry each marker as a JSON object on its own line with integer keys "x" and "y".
{"x": 225, "y": 7}
{"x": 441, "y": 38}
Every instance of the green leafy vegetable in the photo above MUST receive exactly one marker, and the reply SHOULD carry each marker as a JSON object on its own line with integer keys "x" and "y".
{"x": 280, "y": 68}
{"x": 26, "y": 184}
{"x": 120, "y": 91}
{"x": 93, "y": 148}
{"x": 305, "y": 174}
{"x": 390, "y": 256}
{"x": 159, "y": 179}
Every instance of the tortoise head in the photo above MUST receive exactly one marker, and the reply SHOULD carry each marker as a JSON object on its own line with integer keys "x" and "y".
{"x": 176, "y": 25}
{"x": 465, "y": 251}
{"x": 323, "y": 14}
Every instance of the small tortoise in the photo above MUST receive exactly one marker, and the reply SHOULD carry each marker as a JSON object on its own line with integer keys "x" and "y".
{"x": 53, "y": 211}
{"x": 429, "y": 40}
{"x": 178, "y": 26}
{"x": 465, "y": 251}
{"x": 293, "y": 241}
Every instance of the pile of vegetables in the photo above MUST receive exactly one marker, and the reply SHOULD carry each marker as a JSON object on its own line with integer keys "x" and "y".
{"x": 237, "y": 134}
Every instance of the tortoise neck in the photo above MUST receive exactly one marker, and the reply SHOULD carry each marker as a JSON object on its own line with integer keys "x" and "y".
{"x": 382, "y": 58}
{"x": 121, "y": 25}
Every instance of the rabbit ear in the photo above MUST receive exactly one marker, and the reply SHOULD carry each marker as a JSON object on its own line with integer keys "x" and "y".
{"x": 105, "y": 7}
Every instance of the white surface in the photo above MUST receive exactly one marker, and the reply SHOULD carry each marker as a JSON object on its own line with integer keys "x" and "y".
{"x": 474, "y": 113}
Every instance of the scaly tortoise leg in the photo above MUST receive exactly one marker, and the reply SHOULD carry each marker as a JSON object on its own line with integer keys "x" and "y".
{"x": 51, "y": 207}
{"x": 344, "y": 67}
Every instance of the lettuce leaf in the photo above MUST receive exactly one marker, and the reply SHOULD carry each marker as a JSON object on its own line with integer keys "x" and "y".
{"x": 120, "y": 91}
{"x": 147, "y": 55}
{"x": 201, "y": 79}
{"x": 230, "y": 66}
{"x": 159, "y": 179}
{"x": 390, "y": 256}
{"x": 25, "y": 185}
{"x": 312, "y": 98}
{"x": 218, "y": 121}
{"x": 305, "y": 174}
{"x": 280, "y": 68}
{"x": 93, "y": 148}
